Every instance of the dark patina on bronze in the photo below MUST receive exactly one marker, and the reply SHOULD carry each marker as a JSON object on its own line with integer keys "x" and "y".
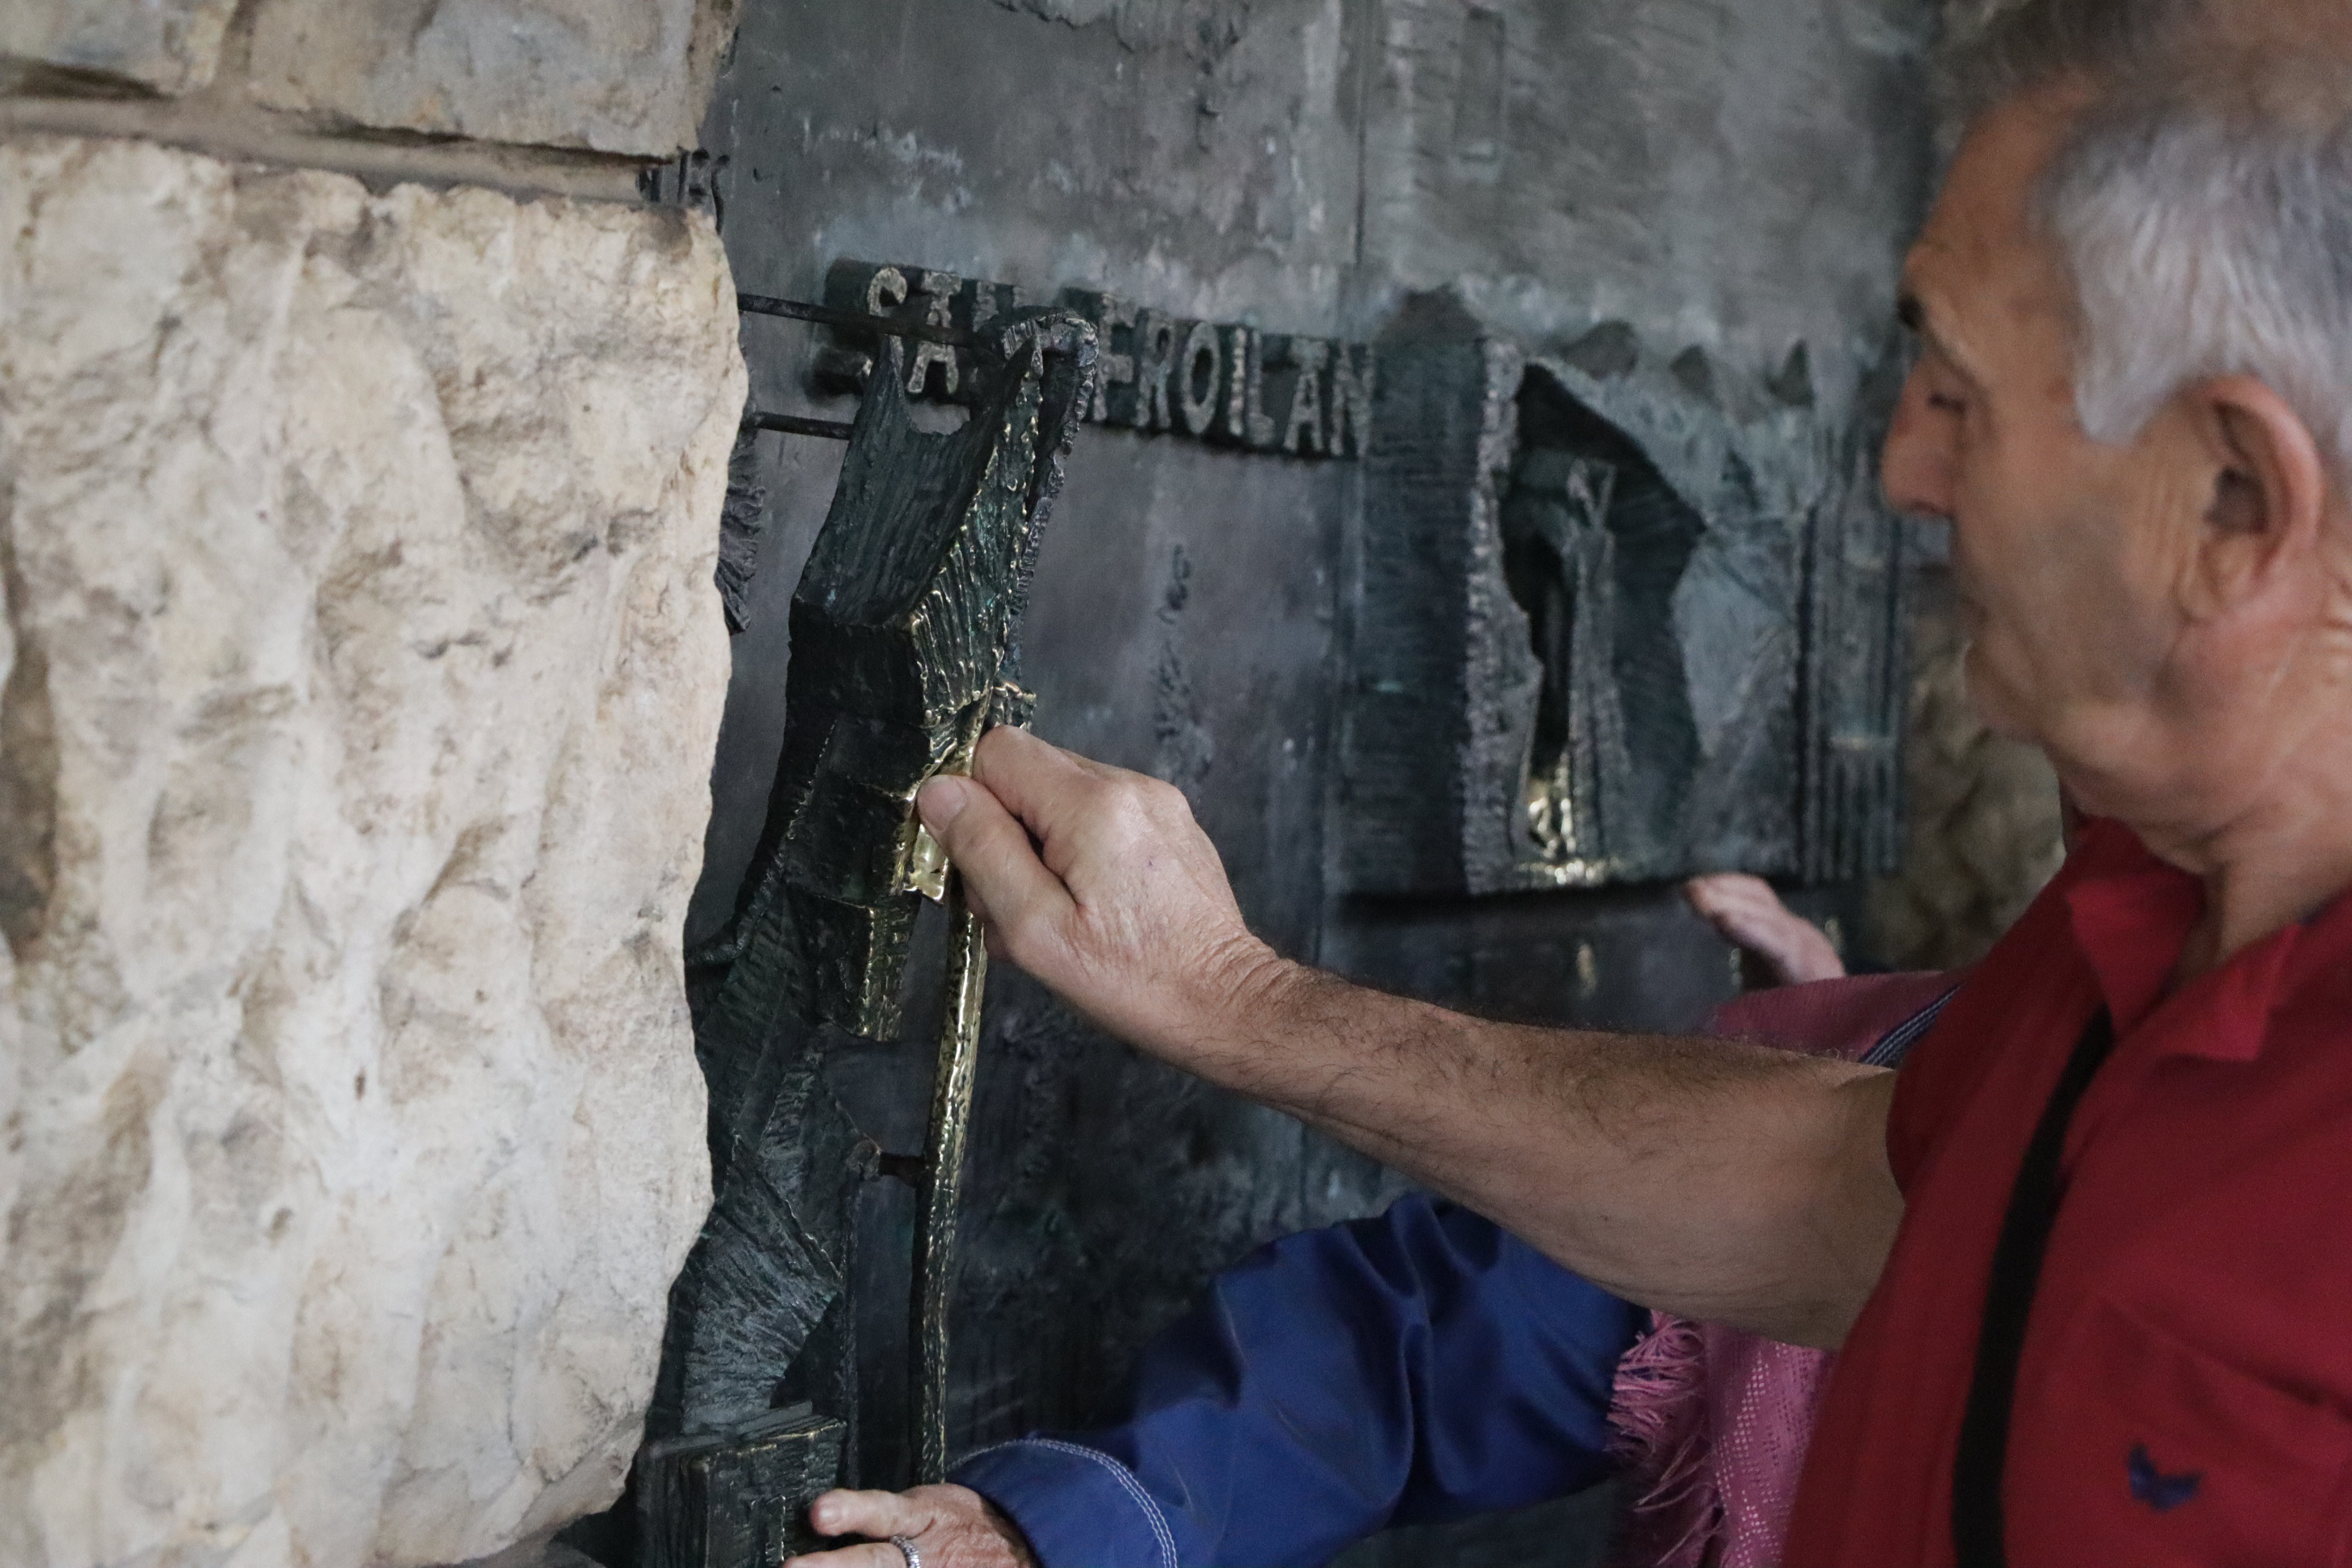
{"x": 904, "y": 651}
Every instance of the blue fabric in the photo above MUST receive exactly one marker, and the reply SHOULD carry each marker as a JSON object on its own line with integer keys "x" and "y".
{"x": 1411, "y": 1369}
{"x": 1079, "y": 1507}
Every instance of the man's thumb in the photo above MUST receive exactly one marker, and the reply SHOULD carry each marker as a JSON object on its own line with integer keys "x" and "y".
{"x": 993, "y": 850}
{"x": 942, "y": 800}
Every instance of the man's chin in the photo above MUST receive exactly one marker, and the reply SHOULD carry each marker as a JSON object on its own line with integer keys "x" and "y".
{"x": 1996, "y": 707}
{"x": 2007, "y": 725}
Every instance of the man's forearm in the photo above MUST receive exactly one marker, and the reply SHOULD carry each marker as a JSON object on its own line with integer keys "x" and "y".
{"x": 1725, "y": 1182}
{"x": 1715, "y": 1180}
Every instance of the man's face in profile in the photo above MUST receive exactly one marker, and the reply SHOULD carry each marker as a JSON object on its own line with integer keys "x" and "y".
{"x": 2065, "y": 551}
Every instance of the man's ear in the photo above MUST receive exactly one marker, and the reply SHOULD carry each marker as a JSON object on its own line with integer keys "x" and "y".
{"x": 2269, "y": 496}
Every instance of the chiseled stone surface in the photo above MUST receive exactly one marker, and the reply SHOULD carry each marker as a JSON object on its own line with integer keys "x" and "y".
{"x": 171, "y": 46}
{"x": 618, "y": 75}
{"x": 364, "y": 671}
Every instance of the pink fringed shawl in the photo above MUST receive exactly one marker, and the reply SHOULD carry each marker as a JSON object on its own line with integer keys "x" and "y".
{"x": 1712, "y": 1423}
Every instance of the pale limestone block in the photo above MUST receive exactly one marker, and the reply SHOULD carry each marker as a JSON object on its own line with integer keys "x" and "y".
{"x": 171, "y": 46}
{"x": 362, "y": 676}
{"x": 618, "y": 75}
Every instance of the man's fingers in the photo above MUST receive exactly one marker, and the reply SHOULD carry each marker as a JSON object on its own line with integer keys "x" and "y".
{"x": 879, "y": 1514}
{"x": 882, "y": 1556}
{"x": 1006, "y": 880}
{"x": 1741, "y": 908}
{"x": 953, "y": 1528}
{"x": 1038, "y": 781}
{"x": 1720, "y": 896}
{"x": 1077, "y": 809}
{"x": 1746, "y": 912}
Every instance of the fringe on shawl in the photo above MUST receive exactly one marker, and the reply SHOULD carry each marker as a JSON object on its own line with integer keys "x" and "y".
{"x": 1658, "y": 1431}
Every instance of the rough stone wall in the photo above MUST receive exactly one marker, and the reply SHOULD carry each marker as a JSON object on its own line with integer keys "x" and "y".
{"x": 534, "y": 96}
{"x": 619, "y": 76}
{"x": 362, "y": 671}
{"x": 169, "y": 47}
{"x": 1982, "y": 831}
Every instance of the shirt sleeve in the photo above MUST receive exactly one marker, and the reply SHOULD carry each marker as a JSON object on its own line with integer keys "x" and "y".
{"x": 1411, "y": 1369}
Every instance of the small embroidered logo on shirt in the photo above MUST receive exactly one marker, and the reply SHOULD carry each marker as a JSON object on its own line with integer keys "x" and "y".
{"x": 2153, "y": 1487}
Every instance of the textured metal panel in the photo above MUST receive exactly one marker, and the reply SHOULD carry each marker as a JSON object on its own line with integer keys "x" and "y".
{"x": 905, "y": 627}
{"x": 1856, "y": 659}
{"x": 1593, "y": 590}
{"x": 1736, "y": 176}
{"x": 1441, "y": 700}
{"x": 737, "y": 1502}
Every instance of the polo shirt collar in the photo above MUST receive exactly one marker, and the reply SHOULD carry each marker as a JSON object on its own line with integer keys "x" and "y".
{"x": 2131, "y": 915}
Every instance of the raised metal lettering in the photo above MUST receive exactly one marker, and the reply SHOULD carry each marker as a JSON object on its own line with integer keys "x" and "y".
{"x": 1156, "y": 340}
{"x": 1348, "y": 405}
{"x": 1302, "y": 427}
{"x": 1114, "y": 320}
{"x": 1199, "y": 378}
{"x": 941, "y": 289}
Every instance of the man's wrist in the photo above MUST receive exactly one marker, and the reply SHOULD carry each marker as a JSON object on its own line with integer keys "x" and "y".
{"x": 1016, "y": 1540}
{"x": 1251, "y": 1002}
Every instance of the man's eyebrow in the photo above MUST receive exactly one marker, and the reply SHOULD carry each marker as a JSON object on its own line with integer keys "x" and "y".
{"x": 1912, "y": 311}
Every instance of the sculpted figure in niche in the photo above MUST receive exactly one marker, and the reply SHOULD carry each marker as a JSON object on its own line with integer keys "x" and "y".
{"x": 1561, "y": 562}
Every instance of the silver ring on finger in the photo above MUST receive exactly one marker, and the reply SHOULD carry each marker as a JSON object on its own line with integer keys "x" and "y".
{"x": 906, "y": 1546}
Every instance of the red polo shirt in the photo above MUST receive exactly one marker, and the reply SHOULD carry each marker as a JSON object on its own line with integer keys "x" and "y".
{"x": 2185, "y": 1395}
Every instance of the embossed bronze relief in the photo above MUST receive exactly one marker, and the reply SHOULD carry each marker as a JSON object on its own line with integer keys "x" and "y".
{"x": 905, "y": 648}
{"x": 1224, "y": 383}
{"x": 1653, "y": 618}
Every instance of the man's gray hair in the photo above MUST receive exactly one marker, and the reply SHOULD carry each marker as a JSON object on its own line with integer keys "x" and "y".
{"x": 2203, "y": 201}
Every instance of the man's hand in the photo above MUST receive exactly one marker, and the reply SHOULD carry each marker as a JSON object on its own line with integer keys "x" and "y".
{"x": 950, "y": 1527}
{"x": 1716, "y": 1181}
{"x": 1750, "y": 915}
{"x": 1100, "y": 883}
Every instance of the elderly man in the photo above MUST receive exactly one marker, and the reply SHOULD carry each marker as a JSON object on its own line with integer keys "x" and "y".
{"x": 2080, "y": 1254}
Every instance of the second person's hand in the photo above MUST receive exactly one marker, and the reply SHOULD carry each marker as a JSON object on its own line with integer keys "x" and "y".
{"x": 952, "y": 1526}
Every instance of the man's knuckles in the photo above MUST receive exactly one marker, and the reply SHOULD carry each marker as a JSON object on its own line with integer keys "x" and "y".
{"x": 1166, "y": 806}
{"x": 1131, "y": 812}
{"x": 843, "y": 1512}
{"x": 1031, "y": 941}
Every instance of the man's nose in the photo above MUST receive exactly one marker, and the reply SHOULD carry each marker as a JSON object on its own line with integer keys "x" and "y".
{"x": 1917, "y": 466}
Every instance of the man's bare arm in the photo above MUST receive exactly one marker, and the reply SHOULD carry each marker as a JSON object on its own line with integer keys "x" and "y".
{"x": 1718, "y": 1181}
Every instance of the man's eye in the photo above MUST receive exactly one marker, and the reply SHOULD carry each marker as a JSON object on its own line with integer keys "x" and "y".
{"x": 1945, "y": 403}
